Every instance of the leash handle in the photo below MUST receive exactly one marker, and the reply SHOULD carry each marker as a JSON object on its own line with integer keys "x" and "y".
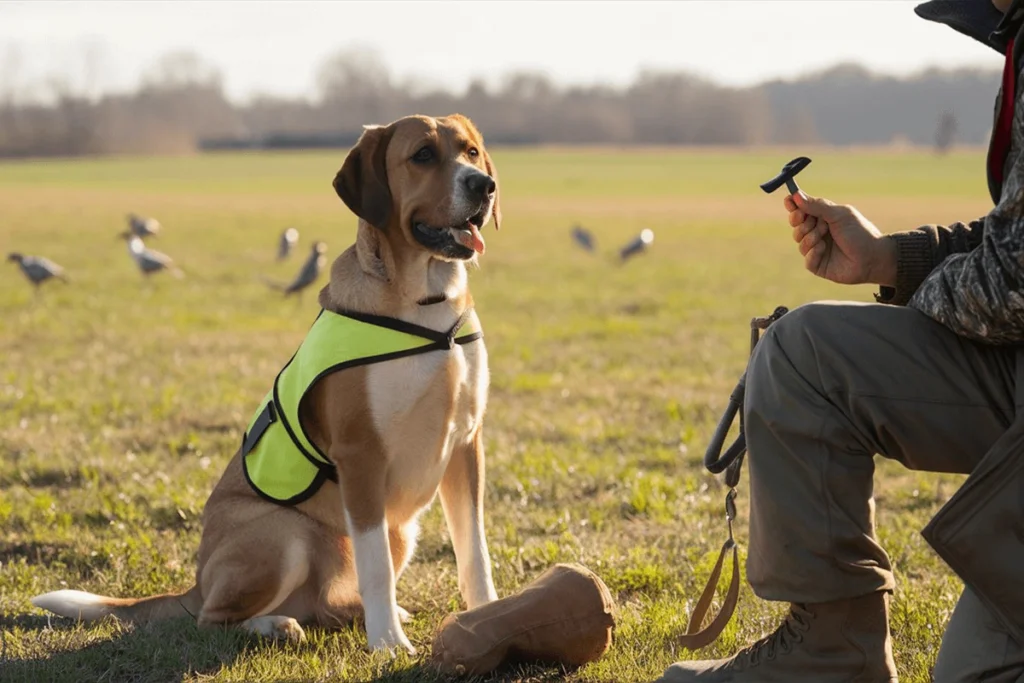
{"x": 695, "y": 639}
{"x": 715, "y": 461}
{"x": 731, "y": 462}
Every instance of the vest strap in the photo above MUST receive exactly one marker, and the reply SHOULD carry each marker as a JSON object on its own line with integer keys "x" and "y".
{"x": 267, "y": 417}
{"x": 450, "y": 337}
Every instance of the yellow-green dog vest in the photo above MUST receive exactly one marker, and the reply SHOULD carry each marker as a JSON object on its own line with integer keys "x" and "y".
{"x": 280, "y": 461}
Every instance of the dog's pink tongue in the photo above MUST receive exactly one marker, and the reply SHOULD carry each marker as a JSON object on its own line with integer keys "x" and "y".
{"x": 472, "y": 239}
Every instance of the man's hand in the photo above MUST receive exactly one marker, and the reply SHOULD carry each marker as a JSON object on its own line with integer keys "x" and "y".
{"x": 839, "y": 244}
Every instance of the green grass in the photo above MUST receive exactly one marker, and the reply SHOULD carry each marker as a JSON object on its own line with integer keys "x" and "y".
{"x": 120, "y": 401}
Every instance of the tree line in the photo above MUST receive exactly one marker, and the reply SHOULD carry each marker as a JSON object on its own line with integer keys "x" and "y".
{"x": 180, "y": 106}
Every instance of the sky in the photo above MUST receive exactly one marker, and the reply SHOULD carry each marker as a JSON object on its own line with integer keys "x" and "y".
{"x": 275, "y": 47}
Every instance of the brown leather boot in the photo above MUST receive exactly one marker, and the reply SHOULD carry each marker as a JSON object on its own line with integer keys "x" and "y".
{"x": 830, "y": 642}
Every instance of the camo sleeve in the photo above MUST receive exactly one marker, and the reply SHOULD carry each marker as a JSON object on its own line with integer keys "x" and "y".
{"x": 919, "y": 251}
{"x": 970, "y": 277}
{"x": 980, "y": 294}
{"x": 975, "y": 286}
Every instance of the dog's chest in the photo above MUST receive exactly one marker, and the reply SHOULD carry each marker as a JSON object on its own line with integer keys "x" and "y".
{"x": 423, "y": 407}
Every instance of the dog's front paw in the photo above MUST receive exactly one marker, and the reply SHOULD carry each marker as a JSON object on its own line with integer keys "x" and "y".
{"x": 403, "y": 615}
{"x": 390, "y": 641}
{"x": 290, "y": 630}
{"x": 277, "y": 628}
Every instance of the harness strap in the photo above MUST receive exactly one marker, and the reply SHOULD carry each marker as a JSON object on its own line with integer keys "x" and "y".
{"x": 454, "y": 331}
{"x": 442, "y": 340}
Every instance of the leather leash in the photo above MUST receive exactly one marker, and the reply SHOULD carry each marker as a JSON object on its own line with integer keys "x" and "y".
{"x": 731, "y": 462}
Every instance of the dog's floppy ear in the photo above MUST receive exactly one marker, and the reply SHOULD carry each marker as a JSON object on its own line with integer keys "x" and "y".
{"x": 362, "y": 182}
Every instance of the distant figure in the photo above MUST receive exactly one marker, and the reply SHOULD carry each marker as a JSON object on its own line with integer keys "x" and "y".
{"x": 310, "y": 271}
{"x": 638, "y": 245}
{"x": 37, "y": 269}
{"x": 583, "y": 237}
{"x": 289, "y": 238}
{"x": 143, "y": 227}
{"x": 148, "y": 260}
{"x": 945, "y": 132}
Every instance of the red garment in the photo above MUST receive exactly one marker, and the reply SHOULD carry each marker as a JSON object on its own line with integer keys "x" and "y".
{"x": 1004, "y": 124}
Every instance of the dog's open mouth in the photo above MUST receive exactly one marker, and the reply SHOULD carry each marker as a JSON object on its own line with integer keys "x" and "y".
{"x": 466, "y": 235}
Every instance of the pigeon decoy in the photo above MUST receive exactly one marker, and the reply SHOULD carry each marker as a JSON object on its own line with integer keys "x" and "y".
{"x": 37, "y": 269}
{"x": 637, "y": 245}
{"x": 308, "y": 274}
{"x": 583, "y": 237}
{"x": 148, "y": 260}
{"x": 288, "y": 240}
{"x": 143, "y": 227}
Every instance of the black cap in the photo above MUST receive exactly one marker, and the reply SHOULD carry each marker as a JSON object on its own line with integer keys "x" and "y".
{"x": 978, "y": 19}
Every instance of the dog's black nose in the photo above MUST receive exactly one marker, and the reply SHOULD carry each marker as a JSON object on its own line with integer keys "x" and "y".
{"x": 480, "y": 184}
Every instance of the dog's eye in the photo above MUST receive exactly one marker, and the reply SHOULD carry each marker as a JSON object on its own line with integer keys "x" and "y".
{"x": 423, "y": 155}
{"x": 473, "y": 152}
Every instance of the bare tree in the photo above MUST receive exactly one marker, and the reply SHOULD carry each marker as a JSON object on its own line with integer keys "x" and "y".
{"x": 10, "y": 69}
{"x": 355, "y": 87}
{"x": 181, "y": 69}
{"x": 180, "y": 105}
{"x": 353, "y": 73}
{"x": 93, "y": 58}
{"x": 796, "y": 126}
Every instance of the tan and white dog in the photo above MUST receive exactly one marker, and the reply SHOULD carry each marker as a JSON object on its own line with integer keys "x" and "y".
{"x": 398, "y": 432}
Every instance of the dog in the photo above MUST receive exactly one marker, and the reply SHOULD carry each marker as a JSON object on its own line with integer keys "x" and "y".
{"x": 393, "y": 432}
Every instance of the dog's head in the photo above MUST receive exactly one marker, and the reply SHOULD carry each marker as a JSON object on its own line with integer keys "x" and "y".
{"x": 426, "y": 180}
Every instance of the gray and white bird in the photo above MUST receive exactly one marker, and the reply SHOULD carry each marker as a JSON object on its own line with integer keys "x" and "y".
{"x": 636, "y": 246}
{"x": 308, "y": 274}
{"x": 583, "y": 237}
{"x": 289, "y": 238}
{"x": 148, "y": 260}
{"x": 143, "y": 227}
{"x": 37, "y": 269}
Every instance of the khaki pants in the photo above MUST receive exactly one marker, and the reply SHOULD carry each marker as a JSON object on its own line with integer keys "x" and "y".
{"x": 831, "y": 385}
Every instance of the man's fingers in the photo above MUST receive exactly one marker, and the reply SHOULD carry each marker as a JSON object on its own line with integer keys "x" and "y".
{"x": 812, "y": 259}
{"x": 787, "y": 201}
{"x": 809, "y": 224}
{"x": 806, "y": 243}
{"x": 811, "y": 240}
{"x": 796, "y": 218}
{"x": 816, "y": 206}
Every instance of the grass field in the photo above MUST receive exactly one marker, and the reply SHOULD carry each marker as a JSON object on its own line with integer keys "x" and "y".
{"x": 121, "y": 401}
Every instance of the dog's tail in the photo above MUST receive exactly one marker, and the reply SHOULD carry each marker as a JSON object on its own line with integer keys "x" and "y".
{"x": 88, "y": 607}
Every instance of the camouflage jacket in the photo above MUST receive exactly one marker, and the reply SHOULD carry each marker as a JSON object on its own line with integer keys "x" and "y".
{"x": 971, "y": 277}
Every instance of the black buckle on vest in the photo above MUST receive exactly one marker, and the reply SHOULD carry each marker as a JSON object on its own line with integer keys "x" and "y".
{"x": 267, "y": 417}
